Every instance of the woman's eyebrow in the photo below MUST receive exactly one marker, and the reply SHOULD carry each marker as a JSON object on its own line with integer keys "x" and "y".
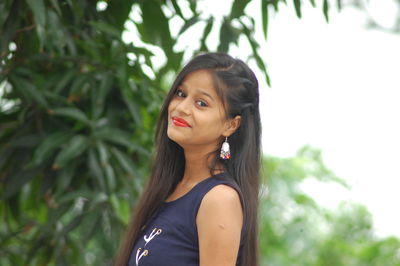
{"x": 200, "y": 91}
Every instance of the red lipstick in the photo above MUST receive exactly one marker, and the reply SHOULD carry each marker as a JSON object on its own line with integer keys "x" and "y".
{"x": 180, "y": 122}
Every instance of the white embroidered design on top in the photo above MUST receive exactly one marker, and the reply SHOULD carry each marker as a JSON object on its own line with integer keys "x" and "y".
{"x": 147, "y": 239}
{"x": 153, "y": 233}
{"x": 138, "y": 257}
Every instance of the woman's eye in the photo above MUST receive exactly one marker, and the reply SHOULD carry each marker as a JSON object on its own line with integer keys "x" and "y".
{"x": 180, "y": 93}
{"x": 201, "y": 103}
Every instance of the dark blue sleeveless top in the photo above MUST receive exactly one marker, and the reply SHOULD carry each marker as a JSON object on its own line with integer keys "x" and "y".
{"x": 170, "y": 236}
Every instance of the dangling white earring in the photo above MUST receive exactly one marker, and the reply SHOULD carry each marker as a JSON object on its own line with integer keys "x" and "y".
{"x": 225, "y": 151}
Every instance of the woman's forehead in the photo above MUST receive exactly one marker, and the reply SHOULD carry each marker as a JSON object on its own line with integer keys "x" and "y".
{"x": 200, "y": 81}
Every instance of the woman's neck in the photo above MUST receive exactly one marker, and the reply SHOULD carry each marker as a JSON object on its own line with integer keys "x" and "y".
{"x": 197, "y": 166}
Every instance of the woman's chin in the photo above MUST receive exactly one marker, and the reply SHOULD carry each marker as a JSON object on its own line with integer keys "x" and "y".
{"x": 176, "y": 136}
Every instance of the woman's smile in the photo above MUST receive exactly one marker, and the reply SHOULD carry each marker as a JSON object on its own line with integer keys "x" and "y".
{"x": 180, "y": 122}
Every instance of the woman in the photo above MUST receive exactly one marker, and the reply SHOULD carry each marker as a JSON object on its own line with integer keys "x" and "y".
{"x": 200, "y": 204}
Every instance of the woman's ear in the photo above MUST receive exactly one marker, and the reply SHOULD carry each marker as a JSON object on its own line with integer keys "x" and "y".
{"x": 232, "y": 125}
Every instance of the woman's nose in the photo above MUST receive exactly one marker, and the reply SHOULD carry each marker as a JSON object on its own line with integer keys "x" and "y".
{"x": 184, "y": 106}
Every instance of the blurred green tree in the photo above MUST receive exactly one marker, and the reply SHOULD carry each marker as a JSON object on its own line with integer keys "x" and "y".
{"x": 296, "y": 230}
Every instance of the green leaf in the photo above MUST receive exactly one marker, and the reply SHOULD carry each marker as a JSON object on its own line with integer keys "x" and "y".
{"x": 228, "y": 35}
{"x": 121, "y": 209}
{"x": 118, "y": 12}
{"x": 139, "y": 50}
{"x": 303, "y": 199}
{"x": 65, "y": 177}
{"x": 9, "y": 27}
{"x": 123, "y": 159}
{"x": 106, "y": 28}
{"x": 237, "y": 9}
{"x": 95, "y": 169}
{"x": 339, "y": 5}
{"x": 73, "y": 149}
{"x": 155, "y": 28}
{"x": 67, "y": 77}
{"x": 56, "y": 6}
{"x": 38, "y": 9}
{"x": 105, "y": 163}
{"x": 72, "y": 224}
{"x": 28, "y": 90}
{"x": 313, "y": 3}
{"x": 25, "y": 141}
{"x": 206, "y": 32}
{"x": 188, "y": 24}
{"x": 116, "y": 136}
{"x": 275, "y": 4}
{"x": 39, "y": 12}
{"x": 101, "y": 93}
{"x": 52, "y": 142}
{"x": 264, "y": 17}
{"x": 177, "y": 9}
{"x": 325, "y": 9}
{"x": 78, "y": 85}
{"x": 297, "y": 7}
{"x": 90, "y": 225}
{"x": 13, "y": 184}
{"x": 71, "y": 112}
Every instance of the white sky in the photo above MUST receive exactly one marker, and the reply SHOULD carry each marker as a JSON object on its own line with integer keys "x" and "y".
{"x": 334, "y": 86}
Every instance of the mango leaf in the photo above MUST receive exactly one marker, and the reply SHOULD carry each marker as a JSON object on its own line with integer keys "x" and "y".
{"x": 26, "y": 141}
{"x": 106, "y": 165}
{"x": 297, "y": 7}
{"x": 71, "y": 225}
{"x": 155, "y": 27}
{"x": 117, "y": 136}
{"x": 69, "y": 198}
{"x": 237, "y": 9}
{"x": 10, "y": 26}
{"x": 13, "y": 184}
{"x": 121, "y": 209}
{"x": 78, "y": 85}
{"x": 228, "y": 34}
{"x": 325, "y": 9}
{"x": 125, "y": 162}
{"x": 90, "y": 225}
{"x": 65, "y": 177}
{"x": 56, "y": 6}
{"x": 95, "y": 169}
{"x": 188, "y": 24}
{"x": 71, "y": 112}
{"x": 130, "y": 103}
{"x": 103, "y": 90}
{"x": 67, "y": 77}
{"x": 206, "y": 32}
{"x": 275, "y": 4}
{"x": 72, "y": 150}
{"x": 264, "y": 17}
{"x": 339, "y": 5}
{"x": 28, "y": 89}
{"x": 177, "y": 9}
{"x": 52, "y": 142}
{"x": 106, "y": 28}
{"x": 39, "y": 12}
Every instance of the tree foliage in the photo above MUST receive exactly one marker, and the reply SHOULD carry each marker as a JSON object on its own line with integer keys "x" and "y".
{"x": 78, "y": 110}
{"x": 296, "y": 230}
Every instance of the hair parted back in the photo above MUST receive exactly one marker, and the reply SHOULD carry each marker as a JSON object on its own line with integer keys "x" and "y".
{"x": 237, "y": 87}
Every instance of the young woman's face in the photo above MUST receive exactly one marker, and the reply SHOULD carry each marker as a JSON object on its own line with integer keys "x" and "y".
{"x": 195, "y": 114}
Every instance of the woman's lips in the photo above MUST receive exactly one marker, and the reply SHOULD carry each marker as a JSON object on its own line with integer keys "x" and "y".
{"x": 180, "y": 122}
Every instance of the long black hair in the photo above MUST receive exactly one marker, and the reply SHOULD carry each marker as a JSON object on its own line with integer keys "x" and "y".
{"x": 237, "y": 86}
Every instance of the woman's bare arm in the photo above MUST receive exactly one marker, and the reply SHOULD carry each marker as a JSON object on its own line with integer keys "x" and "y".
{"x": 219, "y": 224}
